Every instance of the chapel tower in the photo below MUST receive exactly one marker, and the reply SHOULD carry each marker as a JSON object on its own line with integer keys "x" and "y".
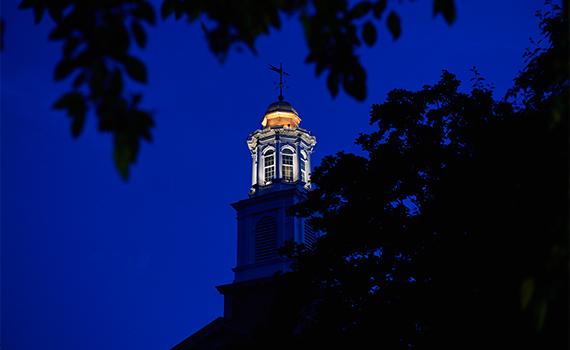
{"x": 281, "y": 176}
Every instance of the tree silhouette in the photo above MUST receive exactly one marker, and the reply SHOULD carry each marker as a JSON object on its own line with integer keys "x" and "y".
{"x": 452, "y": 231}
{"x": 97, "y": 50}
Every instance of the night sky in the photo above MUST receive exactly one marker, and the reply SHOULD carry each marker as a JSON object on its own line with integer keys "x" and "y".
{"x": 91, "y": 262}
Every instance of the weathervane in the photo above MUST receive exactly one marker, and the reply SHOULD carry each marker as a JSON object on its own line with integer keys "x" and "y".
{"x": 281, "y": 73}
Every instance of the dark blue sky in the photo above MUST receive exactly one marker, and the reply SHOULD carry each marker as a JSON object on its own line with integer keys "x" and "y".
{"x": 90, "y": 262}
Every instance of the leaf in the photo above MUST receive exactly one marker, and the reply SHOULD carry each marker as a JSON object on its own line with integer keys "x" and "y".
{"x": 137, "y": 98}
{"x": 167, "y": 8}
{"x": 117, "y": 38}
{"x": 63, "y": 69}
{"x": 527, "y": 291}
{"x": 55, "y": 10}
{"x": 378, "y": 8}
{"x": 393, "y": 23}
{"x": 446, "y": 8}
{"x": 139, "y": 34}
{"x": 2, "y": 31}
{"x": 123, "y": 155}
{"x": 178, "y": 12}
{"x": 205, "y": 29}
{"x": 319, "y": 67}
{"x": 332, "y": 84}
{"x": 74, "y": 103}
{"x": 135, "y": 68}
{"x": 68, "y": 99}
{"x": 274, "y": 19}
{"x": 39, "y": 10}
{"x": 369, "y": 33}
{"x": 38, "y": 6}
{"x": 59, "y": 32}
{"x": 26, "y": 4}
{"x": 360, "y": 10}
{"x": 116, "y": 82}
{"x": 79, "y": 80}
{"x": 354, "y": 82}
{"x": 77, "y": 123}
{"x": 144, "y": 123}
{"x": 70, "y": 45}
{"x": 145, "y": 11}
{"x": 127, "y": 143}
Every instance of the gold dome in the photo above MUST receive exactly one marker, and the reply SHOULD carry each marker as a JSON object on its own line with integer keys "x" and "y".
{"x": 281, "y": 114}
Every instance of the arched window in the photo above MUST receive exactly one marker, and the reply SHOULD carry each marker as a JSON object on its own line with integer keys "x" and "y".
{"x": 287, "y": 165}
{"x": 269, "y": 165}
{"x": 265, "y": 239}
{"x": 303, "y": 166}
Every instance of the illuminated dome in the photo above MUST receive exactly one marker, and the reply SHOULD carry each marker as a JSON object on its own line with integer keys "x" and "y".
{"x": 281, "y": 114}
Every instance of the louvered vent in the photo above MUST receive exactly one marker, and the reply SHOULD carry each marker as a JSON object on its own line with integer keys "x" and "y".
{"x": 310, "y": 236}
{"x": 265, "y": 239}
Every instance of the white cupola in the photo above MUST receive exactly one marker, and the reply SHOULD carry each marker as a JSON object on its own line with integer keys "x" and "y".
{"x": 280, "y": 178}
{"x": 281, "y": 151}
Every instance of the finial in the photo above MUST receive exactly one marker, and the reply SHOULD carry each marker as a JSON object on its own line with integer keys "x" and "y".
{"x": 281, "y": 73}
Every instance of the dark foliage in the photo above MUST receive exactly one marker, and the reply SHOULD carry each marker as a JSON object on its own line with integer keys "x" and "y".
{"x": 97, "y": 37}
{"x": 96, "y": 54}
{"x": 453, "y": 231}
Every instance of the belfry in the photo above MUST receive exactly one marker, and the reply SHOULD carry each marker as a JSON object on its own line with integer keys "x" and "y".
{"x": 281, "y": 158}
{"x": 280, "y": 178}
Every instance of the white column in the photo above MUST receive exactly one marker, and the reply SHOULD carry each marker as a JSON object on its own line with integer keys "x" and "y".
{"x": 260, "y": 173}
{"x": 296, "y": 170}
{"x": 253, "y": 167}
{"x": 308, "y": 167}
{"x": 277, "y": 158}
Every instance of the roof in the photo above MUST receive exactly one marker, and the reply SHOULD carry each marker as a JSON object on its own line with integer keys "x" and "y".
{"x": 281, "y": 113}
{"x": 282, "y": 106}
